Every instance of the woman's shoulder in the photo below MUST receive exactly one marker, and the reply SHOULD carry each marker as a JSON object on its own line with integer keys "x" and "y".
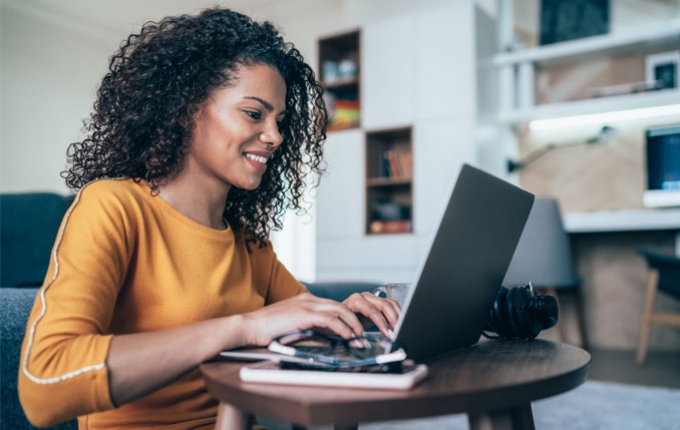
{"x": 111, "y": 192}
{"x": 112, "y": 188}
{"x": 111, "y": 185}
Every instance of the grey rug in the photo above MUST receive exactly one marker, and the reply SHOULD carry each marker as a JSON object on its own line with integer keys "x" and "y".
{"x": 592, "y": 406}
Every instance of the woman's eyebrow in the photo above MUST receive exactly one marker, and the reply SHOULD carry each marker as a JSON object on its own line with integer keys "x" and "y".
{"x": 264, "y": 103}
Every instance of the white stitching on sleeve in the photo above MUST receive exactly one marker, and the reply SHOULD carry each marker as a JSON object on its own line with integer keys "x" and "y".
{"x": 69, "y": 375}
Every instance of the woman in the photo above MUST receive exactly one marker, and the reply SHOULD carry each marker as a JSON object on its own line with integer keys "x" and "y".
{"x": 203, "y": 134}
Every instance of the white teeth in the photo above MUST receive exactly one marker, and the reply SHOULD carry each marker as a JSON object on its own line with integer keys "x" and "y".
{"x": 257, "y": 158}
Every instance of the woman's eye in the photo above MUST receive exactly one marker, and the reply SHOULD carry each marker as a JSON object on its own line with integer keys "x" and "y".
{"x": 253, "y": 115}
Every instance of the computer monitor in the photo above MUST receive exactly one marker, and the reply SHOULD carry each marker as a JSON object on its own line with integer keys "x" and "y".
{"x": 663, "y": 166}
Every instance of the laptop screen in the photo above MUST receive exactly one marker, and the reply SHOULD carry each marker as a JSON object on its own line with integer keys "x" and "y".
{"x": 469, "y": 254}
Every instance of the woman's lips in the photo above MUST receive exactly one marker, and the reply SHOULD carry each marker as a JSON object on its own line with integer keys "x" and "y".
{"x": 257, "y": 164}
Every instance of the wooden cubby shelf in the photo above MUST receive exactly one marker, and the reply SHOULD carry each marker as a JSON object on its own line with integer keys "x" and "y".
{"x": 339, "y": 69}
{"x": 342, "y": 85}
{"x": 389, "y": 181}
{"x": 386, "y": 182}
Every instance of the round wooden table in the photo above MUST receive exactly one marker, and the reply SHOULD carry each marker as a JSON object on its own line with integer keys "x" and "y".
{"x": 493, "y": 382}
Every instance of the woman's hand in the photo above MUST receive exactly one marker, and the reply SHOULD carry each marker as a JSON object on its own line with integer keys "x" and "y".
{"x": 141, "y": 363}
{"x": 301, "y": 312}
{"x": 384, "y": 313}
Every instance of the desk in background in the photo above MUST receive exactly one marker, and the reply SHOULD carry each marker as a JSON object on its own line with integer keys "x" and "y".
{"x": 614, "y": 274}
{"x": 625, "y": 220}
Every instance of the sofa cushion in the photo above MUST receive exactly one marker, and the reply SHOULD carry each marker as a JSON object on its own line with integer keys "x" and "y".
{"x": 15, "y": 305}
{"x": 29, "y": 223}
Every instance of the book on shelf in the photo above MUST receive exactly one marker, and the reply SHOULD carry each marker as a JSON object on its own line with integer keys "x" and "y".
{"x": 349, "y": 105}
{"x": 392, "y": 226}
{"x": 395, "y": 168}
{"x": 406, "y": 162}
{"x": 396, "y": 164}
{"x": 345, "y": 114}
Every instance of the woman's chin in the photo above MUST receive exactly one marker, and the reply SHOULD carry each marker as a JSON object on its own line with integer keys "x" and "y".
{"x": 249, "y": 185}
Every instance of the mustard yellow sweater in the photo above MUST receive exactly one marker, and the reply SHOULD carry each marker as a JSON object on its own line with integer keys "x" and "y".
{"x": 125, "y": 261}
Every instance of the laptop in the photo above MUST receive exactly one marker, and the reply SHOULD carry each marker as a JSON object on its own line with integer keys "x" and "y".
{"x": 457, "y": 282}
{"x": 459, "y": 279}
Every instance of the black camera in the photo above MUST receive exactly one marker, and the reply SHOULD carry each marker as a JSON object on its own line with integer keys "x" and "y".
{"x": 519, "y": 313}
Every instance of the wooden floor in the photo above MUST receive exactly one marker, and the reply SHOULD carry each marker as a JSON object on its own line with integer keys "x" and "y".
{"x": 662, "y": 369}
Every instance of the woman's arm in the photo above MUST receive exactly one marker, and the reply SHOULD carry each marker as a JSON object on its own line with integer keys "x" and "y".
{"x": 141, "y": 363}
{"x": 144, "y": 362}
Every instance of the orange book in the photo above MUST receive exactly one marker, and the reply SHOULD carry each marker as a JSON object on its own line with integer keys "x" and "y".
{"x": 406, "y": 163}
{"x": 384, "y": 227}
{"x": 395, "y": 169}
{"x": 347, "y": 104}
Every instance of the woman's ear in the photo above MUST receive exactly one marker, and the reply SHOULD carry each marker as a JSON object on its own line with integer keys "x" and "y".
{"x": 183, "y": 122}
{"x": 188, "y": 119}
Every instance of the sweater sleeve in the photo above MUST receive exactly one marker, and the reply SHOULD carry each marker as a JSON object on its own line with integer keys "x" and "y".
{"x": 280, "y": 283}
{"x": 62, "y": 372}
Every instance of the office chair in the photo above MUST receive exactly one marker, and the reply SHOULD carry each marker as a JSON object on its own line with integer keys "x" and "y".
{"x": 664, "y": 276}
{"x": 543, "y": 256}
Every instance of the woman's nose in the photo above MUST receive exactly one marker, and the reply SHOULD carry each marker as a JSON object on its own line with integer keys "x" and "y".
{"x": 272, "y": 135}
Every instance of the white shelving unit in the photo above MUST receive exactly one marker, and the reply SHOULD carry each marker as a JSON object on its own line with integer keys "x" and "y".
{"x": 585, "y": 107}
{"x": 596, "y": 45}
{"x": 516, "y": 74}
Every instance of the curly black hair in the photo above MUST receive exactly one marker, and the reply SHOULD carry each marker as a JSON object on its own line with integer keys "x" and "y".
{"x": 143, "y": 117}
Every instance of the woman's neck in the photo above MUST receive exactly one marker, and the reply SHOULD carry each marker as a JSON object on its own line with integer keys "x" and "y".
{"x": 201, "y": 203}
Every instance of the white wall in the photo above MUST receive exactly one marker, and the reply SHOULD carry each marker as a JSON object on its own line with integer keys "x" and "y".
{"x": 359, "y": 12}
{"x": 49, "y": 78}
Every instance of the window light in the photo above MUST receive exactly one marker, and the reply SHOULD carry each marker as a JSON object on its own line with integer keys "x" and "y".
{"x": 604, "y": 118}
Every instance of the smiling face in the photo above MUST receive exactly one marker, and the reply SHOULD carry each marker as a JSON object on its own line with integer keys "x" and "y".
{"x": 236, "y": 130}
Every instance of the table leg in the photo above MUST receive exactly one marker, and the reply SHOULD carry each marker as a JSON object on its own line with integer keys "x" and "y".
{"x": 519, "y": 418}
{"x": 231, "y": 418}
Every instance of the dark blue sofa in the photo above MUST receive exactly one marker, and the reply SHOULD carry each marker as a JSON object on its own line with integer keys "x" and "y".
{"x": 29, "y": 225}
